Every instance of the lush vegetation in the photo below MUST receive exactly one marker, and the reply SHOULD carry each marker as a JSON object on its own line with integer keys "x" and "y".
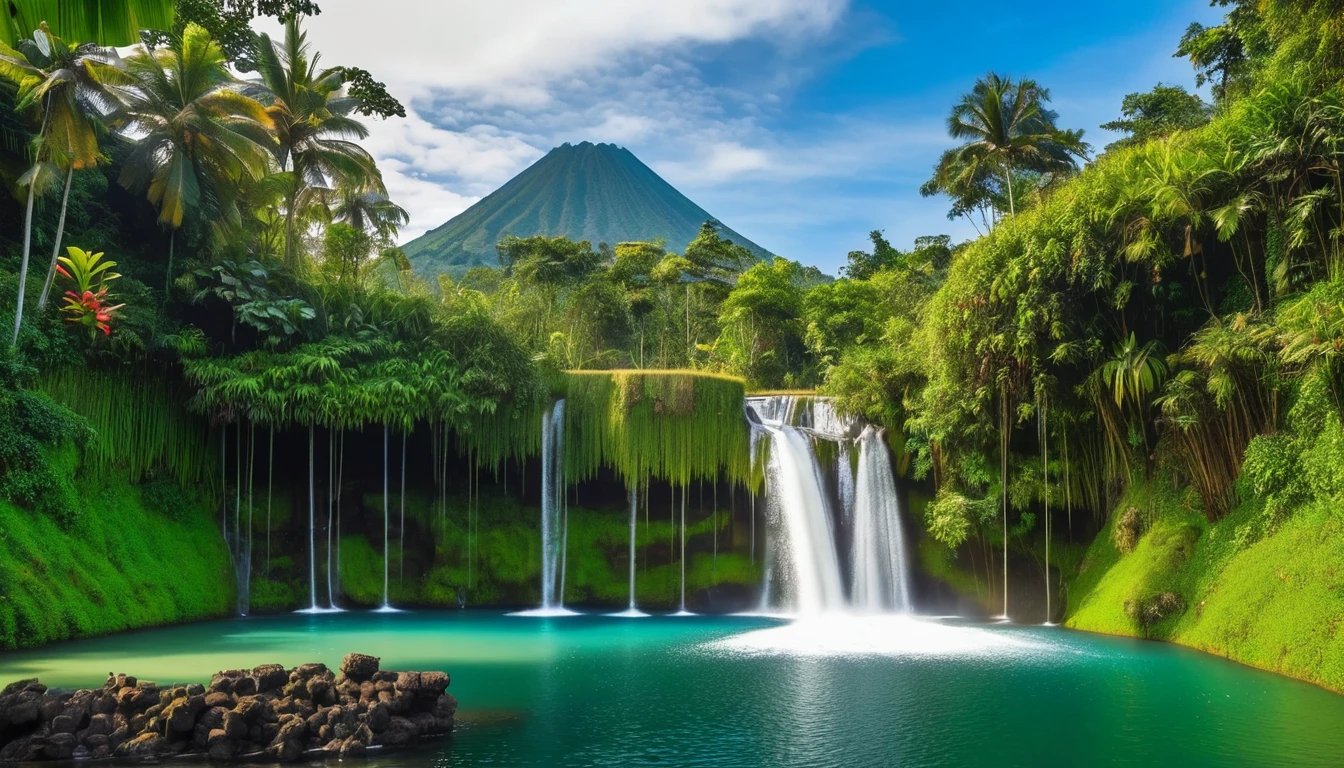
{"x": 1142, "y": 346}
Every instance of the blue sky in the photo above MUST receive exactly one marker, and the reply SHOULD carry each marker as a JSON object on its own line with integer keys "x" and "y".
{"x": 803, "y": 124}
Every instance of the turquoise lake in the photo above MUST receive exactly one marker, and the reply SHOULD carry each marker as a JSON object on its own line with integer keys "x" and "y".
{"x": 744, "y": 691}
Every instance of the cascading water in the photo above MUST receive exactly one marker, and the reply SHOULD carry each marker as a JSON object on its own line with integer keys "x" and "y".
{"x": 631, "y": 610}
{"x": 805, "y": 549}
{"x": 386, "y": 607}
{"x": 881, "y": 578}
{"x": 809, "y": 568}
{"x": 552, "y": 514}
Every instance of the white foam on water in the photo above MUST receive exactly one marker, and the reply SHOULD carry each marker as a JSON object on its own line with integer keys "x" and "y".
{"x": 545, "y": 613}
{"x": 868, "y": 635}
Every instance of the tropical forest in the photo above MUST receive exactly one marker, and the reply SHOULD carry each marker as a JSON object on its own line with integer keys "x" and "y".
{"x": 289, "y": 401}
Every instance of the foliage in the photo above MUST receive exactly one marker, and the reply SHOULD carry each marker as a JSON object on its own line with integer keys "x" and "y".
{"x": 87, "y": 304}
{"x": 1006, "y": 128}
{"x": 1157, "y": 113}
{"x": 674, "y": 426}
{"x": 109, "y": 22}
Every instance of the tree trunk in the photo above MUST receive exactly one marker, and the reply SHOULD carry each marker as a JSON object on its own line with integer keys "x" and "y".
{"x": 60, "y": 232}
{"x": 168, "y": 278}
{"x": 1012, "y": 208}
{"x": 27, "y": 246}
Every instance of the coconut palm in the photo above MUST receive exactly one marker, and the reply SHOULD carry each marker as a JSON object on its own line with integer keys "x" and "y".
{"x": 67, "y": 87}
{"x": 316, "y": 135}
{"x": 200, "y": 137}
{"x": 1006, "y": 127}
{"x": 371, "y": 211}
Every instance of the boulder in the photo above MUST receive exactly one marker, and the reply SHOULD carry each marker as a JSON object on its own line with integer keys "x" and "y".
{"x": 267, "y": 712}
{"x": 359, "y": 667}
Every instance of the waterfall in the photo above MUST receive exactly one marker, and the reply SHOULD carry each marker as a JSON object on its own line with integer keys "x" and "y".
{"x": 553, "y": 508}
{"x": 312, "y": 539}
{"x": 632, "y": 611}
{"x": 682, "y": 610}
{"x": 881, "y": 578}
{"x": 824, "y": 537}
{"x": 809, "y": 568}
{"x": 386, "y": 607}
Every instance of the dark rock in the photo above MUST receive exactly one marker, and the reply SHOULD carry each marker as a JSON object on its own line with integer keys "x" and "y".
{"x": 269, "y": 677}
{"x": 19, "y": 685}
{"x": 60, "y": 746}
{"x": 220, "y": 745}
{"x": 142, "y": 746}
{"x": 219, "y": 699}
{"x": 244, "y": 686}
{"x": 359, "y": 667}
{"x": 434, "y": 683}
{"x": 263, "y": 713}
{"x": 379, "y": 718}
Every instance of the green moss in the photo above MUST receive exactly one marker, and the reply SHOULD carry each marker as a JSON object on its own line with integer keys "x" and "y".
{"x": 676, "y": 426}
{"x": 1268, "y": 596}
{"x": 140, "y": 423}
{"x": 122, "y": 565}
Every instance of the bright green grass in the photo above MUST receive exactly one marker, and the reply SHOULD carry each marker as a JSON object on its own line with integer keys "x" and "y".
{"x": 120, "y": 566}
{"x": 1276, "y": 602}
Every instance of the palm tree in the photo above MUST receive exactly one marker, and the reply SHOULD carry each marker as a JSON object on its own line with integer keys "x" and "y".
{"x": 371, "y": 211}
{"x": 201, "y": 138}
{"x": 316, "y": 136}
{"x": 1005, "y": 126}
{"x": 67, "y": 86}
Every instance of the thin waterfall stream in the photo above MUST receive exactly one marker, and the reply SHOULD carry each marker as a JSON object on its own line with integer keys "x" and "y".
{"x": 554, "y": 507}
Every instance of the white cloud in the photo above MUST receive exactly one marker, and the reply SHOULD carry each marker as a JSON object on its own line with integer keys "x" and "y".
{"x": 489, "y": 87}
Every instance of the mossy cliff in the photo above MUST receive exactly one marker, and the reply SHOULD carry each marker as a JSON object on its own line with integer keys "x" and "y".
{"x": 133, "y": 555}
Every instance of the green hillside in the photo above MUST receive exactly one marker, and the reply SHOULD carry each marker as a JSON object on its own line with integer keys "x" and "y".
{"x": 596, "y": 192}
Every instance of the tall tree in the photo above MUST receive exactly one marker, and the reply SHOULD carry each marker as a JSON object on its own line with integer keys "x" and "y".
{"x": 316, "y": 135}
{"x": 66, "y": 87}
{"x": 1158, "y": 112}
{"x": 200, "y": 137}
{"x": 1005, "y": 127}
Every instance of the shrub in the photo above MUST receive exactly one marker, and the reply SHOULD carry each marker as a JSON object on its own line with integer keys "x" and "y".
{"x": 1148, "y": 611}
{"x": 1129, "y": 529}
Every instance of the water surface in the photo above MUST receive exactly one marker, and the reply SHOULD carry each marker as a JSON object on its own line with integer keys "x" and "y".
{"x": 738, "y": 691}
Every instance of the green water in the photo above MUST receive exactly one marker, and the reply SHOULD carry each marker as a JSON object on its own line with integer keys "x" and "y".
{"x": 732, "y": 691}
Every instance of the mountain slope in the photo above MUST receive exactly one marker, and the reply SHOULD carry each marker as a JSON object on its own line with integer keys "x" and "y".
{"x": 596, "y": 192}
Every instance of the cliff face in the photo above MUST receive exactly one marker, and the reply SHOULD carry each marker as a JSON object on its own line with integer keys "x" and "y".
{"x": 596, "y": 192}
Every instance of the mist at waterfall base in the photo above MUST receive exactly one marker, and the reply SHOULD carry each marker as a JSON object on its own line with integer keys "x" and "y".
{"x": 600, "y": 691}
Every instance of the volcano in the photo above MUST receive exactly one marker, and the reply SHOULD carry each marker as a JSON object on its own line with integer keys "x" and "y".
{"x": 601, "y": 193}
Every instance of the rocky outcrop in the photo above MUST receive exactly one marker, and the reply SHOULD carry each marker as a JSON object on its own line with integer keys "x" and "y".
{"x": 267, "y": 712}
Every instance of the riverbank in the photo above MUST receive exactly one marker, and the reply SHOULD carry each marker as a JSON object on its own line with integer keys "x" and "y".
{"x": 1266, "y": 594}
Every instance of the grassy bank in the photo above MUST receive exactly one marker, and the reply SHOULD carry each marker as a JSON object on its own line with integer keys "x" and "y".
{"x": 127, "y": 559}
{"x": 1266, "y": 591}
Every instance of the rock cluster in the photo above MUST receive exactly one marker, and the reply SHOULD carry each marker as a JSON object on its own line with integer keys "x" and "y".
{"x": 267, "y": 712}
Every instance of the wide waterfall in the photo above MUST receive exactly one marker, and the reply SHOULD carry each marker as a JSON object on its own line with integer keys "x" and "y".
{"x": 553, "y": 533}
{"x": 828, "y": 521}
{"x": 796, "y": 507}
